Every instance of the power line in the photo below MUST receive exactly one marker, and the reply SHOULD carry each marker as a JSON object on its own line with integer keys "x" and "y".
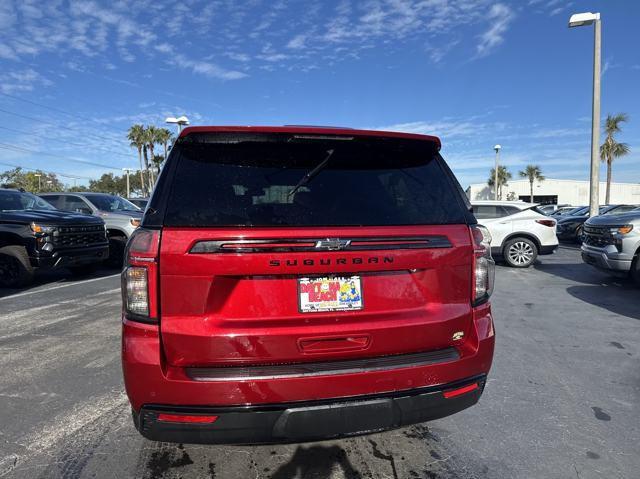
{"x": 48, "y": 138}
{"x": 58, "y": 126}
{"x": 58, "y": 110}
{"x": 8, "y": 146}
{"x": 66, "y": 175}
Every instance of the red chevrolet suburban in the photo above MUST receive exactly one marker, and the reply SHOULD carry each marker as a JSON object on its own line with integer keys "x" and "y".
{"x": 301, "y": 283}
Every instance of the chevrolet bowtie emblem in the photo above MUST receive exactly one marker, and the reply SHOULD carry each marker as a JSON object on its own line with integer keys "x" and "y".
{"x": 332, "y": 244}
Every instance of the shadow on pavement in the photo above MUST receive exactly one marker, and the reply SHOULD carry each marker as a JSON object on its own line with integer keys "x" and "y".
{"x": 60, "y": 276}
{"x": 316, "y": 462}
{"x": 580, "y": 273}
{"x": 623, "y": 300}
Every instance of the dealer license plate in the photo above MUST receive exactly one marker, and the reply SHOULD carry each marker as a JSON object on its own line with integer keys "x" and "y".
{"x": 330, "y": 293}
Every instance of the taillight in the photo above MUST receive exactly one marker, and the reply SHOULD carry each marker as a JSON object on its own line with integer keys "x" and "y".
{"x": 549, "y": 223}
{"x": 483, "y": 265}
{"x": 140, "y": 276}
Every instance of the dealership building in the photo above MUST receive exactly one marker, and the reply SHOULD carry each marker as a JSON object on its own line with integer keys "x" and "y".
{"x": 571, "y": 192}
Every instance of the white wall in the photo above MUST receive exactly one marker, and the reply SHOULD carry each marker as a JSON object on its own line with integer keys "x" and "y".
{"x": 568, "y": 191}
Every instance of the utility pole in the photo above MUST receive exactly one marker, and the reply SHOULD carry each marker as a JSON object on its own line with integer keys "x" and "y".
{"x": 39, "y": 184}
{"x": 127, "y": 170}
{"x": 495, "y": 171}
{"x": 579, "y": 20}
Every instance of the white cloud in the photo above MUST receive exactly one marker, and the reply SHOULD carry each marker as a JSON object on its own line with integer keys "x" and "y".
{"x": 207, "y": 69}
{"x": 500, "y": 16}
{"x": 448, "y": 128}
{"x": 7, "y": 52}
{"x": 8, "y": 16}
{"x": 164, "y": 48}
{"x": 21, "y": 80}
{"x": 297, "y": 42}
{"x": 239, "y": 57}
{"x": 94, "y": 30}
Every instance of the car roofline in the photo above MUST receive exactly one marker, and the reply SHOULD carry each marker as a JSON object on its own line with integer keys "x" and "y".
{"x": 309, "y": 130}
{"x": 518, "y": 204}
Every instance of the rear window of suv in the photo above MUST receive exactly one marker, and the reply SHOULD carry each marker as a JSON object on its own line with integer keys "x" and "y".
{"x": 356, "y": 182}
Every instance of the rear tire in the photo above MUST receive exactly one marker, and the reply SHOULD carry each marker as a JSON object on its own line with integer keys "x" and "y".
{"x": 15, "y": 268}
{"x": 520, "y": 252}
{"x": 635, "y": 269}
{"x": 116, "y": 251}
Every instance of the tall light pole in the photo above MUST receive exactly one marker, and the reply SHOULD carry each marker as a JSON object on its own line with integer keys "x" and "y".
{"x": 180, "y": 121}
{"x": 38, "y": 175}
{"x": 495, "y": 172}
{"x": 579, "y": 20}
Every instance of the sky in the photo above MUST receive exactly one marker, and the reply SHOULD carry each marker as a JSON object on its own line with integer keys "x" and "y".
{"x": 75, "y": 75}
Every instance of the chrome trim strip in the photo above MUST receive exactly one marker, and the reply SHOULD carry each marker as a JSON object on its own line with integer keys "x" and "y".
{"x": 326, "y": 368}
{"x": 298, "y": 244}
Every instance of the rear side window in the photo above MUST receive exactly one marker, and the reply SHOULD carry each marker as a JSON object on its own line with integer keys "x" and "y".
{"x": 511, "y": 210}
{"x": 484, "y": 212}
{"x": 620, "y": 209}
{"x": 55, "y": 200}
{"x": 362, "y": 182}
{"x": 75, "y": 203}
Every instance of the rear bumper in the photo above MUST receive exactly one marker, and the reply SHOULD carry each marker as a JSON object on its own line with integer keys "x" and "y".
{"x": 308, "y": 421}
{"x": 548, "y": 249}
{"x": 408, "y": 394}
{"x": 567, "y": 234}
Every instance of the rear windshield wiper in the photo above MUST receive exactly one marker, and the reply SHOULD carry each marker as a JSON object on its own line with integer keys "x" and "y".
{"x": 309, "y": 176}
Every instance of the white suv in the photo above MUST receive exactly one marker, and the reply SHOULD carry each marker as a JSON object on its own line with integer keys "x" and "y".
{"x": 519, "y": 233}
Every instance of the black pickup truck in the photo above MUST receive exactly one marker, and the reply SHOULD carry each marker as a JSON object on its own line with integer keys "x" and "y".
{"x": 34, "y": 234}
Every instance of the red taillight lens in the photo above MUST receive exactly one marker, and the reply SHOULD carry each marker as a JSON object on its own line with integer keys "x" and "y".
{"x": 451, "y": 393}
{"x": 549, "y": 223}
{"x": 483, "y": 265}
{"x": 186, "y": 418}
{"x": 139, "y": 277}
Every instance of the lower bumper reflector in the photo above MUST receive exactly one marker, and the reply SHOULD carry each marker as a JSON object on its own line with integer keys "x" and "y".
{"x": 186, "y": 419}
{"x": 458, "y": 392}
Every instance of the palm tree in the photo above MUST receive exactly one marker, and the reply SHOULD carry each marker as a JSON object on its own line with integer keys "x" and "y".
{"x": 503, "y": 178}
{"x": 533, "y": 173}
{"x": 136, "y": 137}
{"x": 611, "y": 149}
{"x": 150, "y": 140}
{"x": 164, "y": 137}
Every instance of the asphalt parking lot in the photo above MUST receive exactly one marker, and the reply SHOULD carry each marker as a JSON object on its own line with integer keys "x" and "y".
{"x": 562, "y": 400}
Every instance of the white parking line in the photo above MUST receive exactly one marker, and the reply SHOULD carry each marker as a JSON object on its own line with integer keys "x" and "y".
{"x": 27, "y": 293}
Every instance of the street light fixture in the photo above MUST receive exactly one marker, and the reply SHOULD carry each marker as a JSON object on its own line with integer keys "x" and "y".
{"x": 180, "y": 121}
{"x": 579, "y": 20}
{"x": 495, "y": 172}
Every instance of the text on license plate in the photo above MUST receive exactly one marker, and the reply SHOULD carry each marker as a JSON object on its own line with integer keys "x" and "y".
{"x": 330, "y": 293}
